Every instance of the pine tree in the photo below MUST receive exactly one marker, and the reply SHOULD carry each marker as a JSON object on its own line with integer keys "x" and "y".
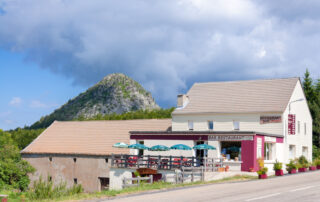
{"x": 308, "y": 87}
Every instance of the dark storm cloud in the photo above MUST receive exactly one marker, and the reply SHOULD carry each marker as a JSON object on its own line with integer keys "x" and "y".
{"x": 166, "y": 44}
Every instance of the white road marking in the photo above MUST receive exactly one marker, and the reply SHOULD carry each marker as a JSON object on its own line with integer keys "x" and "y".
{"x": 301, "y": 188}
{"x": 263, "y": 197}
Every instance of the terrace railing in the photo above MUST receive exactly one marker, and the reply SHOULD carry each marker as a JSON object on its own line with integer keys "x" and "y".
{"x": 164, "y": 162}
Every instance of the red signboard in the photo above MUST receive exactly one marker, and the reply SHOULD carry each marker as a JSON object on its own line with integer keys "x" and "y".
{"x": 292, "y": 124}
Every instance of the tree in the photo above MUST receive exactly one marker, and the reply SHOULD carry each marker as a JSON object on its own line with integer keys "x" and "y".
{"x": 308, "y": 87}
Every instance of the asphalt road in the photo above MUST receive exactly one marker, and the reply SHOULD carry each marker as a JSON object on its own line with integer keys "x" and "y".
{"x": 303, "y": 187}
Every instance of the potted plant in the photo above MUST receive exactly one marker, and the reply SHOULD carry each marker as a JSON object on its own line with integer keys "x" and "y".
{"x": 277, "y": 167}
{"x": 317, "y": 163}
{"x": 291, "y": 167}
{"x": 312, "y": 166}
{"x": 303, "y": 164}
{"x": 262, "y": 172}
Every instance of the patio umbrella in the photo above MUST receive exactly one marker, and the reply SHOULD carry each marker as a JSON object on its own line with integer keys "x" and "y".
{"x": 137, "y": 146}
{"x": 120, "y": 145}
{"x": 180, "y": 147}
{"x": 159, "y": 148}
{"x": 204, "y": 147}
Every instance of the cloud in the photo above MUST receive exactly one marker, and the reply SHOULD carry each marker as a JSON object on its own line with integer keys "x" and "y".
{"x": 15, "y": 101}
{"x": 166, "y": 45}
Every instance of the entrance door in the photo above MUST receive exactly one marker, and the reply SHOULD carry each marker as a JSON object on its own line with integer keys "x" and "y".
{"x": 200, "y": 154}
{"x": 104, "y": 183}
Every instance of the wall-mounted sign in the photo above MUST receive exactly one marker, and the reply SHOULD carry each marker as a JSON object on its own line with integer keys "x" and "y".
{"x": 270, "y": 139}
{"x": 292, "y": 124}
{"x": 229, "y": 137}
{"x": 270, "y": 119}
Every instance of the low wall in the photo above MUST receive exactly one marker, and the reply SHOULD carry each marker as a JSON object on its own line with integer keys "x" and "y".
{"x": 117, "y": 175}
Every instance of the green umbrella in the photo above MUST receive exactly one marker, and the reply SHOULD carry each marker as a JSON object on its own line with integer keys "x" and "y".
{"x": 180, "y": 147}
{"x": 120, "y": 145}
{"x": 159, "y": 148}
{"x": 204, "y": 147}
{"x": 137, "y": 146}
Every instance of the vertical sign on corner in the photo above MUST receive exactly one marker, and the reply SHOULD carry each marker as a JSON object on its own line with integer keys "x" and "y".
{"x": 291, "y": 124}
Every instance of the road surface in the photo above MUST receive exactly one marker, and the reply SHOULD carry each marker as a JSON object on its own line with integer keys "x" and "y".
{"x": 303, "y": 187}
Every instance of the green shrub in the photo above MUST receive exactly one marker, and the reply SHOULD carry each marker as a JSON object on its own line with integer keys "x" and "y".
{"x": 46, "y": 190}
{"x": 277, "y": 165}
{"x": 317, "y": 162}
{"x": 302, "y": 162}
{"x": 262, "y": 171}
{"x": 291, "y": 165}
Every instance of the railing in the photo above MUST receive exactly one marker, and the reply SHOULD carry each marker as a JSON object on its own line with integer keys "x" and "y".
{"x": 137, "y": 180}
{"x": 164, "y": 162}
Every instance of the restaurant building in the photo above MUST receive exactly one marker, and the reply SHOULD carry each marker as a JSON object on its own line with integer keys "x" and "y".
{"x": 244, "y": 120}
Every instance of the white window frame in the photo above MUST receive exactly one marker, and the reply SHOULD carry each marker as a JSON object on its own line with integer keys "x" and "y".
{"x": 234, "y": 125}
{"x": 209, "y": 125}
{"x": 292, "y": 154}
{"x": 305, "y": 153}
{"x": 190, "y": 125}
{"x": 269, "y": 148}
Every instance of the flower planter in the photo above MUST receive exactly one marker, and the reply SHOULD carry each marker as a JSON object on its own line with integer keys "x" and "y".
{"x": 293, "y": 171}
{"x": 312, "y": 168}
{"x": 301, "y": 170}
{"x": 318, "y": 167}
{"x": 279, "y": 172}
{"x": 263, "y": 176}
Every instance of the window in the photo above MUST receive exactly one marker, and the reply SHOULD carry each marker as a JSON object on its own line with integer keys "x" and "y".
{"x": 210, "y": 125}
{"x": 298, "y": 127}
{"x": 104, "y": 183}
{"x": 75, "y": 180}
{"x": 305, "y": 128}
{"x": 236, "y": 125}
{"x": 50, "y": 178}
{"x": 305, "y": 151}
{"x": 269, "y": 151}
{"x": 50, "y": 158}
{"x": 190, "y": 125}
{"x": 292, "y": 151}
{"x": 74, "y": 159}
{"x": 107, "y": 160}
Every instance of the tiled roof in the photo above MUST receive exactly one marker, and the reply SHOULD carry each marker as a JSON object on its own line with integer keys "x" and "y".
{"x": 239, "y": 96}
{"x": 90, "y": 137}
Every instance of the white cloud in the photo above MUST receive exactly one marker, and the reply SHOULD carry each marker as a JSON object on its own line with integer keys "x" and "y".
{"x": 166, "y": 45}
{"x": 15, "y": 101}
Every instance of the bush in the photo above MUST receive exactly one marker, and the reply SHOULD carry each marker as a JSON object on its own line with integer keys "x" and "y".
{"x": 316, "y": 162}
{"x": 46, "y": 190}
{"x": 277, "y": 165}
{"x": 291, "y": 166}
{"x": 302, "y": 162}
{"x": 262, "y": 170}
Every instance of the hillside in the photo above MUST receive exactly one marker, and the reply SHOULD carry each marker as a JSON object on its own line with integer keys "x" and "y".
{"x": 116, "y": 93}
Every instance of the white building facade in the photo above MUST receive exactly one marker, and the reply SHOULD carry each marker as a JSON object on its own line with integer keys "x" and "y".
{"x": 244, "y": 120}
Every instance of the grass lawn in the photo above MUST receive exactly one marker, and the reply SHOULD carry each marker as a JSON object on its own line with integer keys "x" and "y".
{"x": 142, "y": 188}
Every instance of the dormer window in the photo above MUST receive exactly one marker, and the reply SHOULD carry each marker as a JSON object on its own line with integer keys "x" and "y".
{"x": 236, "y": 125}
{"x": 190, "y": 125}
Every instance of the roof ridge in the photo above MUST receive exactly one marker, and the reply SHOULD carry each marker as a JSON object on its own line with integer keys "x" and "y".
{"x": 253, "y": 80}
{"x": 126, "y": 120}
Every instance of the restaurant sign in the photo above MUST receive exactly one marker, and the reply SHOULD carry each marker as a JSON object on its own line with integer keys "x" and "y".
{"x": 229, "y": 137}
{"x": 270, "y": 119}
{"x": 292, "y": 124}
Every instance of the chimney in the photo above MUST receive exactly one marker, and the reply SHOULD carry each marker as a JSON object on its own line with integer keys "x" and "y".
{"x": 182, "y": 100}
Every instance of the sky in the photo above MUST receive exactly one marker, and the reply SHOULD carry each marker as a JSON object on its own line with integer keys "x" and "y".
{"x": 50, "y": 51}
